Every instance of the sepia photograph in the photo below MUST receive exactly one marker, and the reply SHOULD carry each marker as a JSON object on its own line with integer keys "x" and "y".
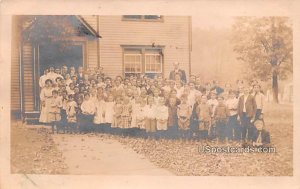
{"x": 152, "y": 95}
{"x": 128, "y": 94}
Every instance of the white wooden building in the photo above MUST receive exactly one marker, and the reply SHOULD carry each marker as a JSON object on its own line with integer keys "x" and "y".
{"x": 125, "y": 44}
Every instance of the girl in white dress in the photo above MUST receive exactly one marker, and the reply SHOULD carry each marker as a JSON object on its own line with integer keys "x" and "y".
{"x": 109, "y": 112}
{"x": 162, "y": 114}
{"x": 99, "y": 118}
{"x": 45, "y": 95}
{"x": 141, "y": 116}
{"x": 134, "y": 127}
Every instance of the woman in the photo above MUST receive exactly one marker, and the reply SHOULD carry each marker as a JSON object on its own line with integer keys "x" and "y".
{"x": 45, "y": 96}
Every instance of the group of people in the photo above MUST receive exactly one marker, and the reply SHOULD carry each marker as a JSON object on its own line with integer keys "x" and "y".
{"x": 83, "y": 101}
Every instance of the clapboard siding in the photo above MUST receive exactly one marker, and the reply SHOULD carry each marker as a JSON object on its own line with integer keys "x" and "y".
{"x": 91, "y": 20}
{"x": 28, "y": 77}
{"x": 172, "y": 32}
{"x": 15, "y": 80}
{"x": 92, "y": 57}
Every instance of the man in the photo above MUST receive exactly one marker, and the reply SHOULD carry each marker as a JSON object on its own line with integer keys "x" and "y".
{"x": 246, "y": 112}
{"x": 64, "y": 71}
{"x": 80, "y": 74}
{"x": 177, "y": 71}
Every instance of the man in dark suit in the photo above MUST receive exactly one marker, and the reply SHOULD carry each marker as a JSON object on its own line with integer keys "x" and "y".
{"x": 177, "y": 71}
{"x": 246, "y": 112}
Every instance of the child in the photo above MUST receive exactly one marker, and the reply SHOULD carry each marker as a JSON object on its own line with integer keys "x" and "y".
{"x": 259, "y": 99}
{"x": 162, "y": 118}
{"x": 141, "y": 115}
{"x": 172, "y": 118}
{"x": 221, "y": 113}
{"x": 184, "y": 113}
{"x": 126, "y": 115}
{"x": 150, "y": 122}
{"x": 54, "y": 111}
{"x": 212, "y": 102}
{"x": 71, "y": 114}
{"x": 117, "y": 119}
{"x": 135, "y": 107}
{"x": 204, "y": 112}
{"x": 87, "y": 114}
{"x": 109, "y": 111}
{"x": 99, "y": 118}
{"x": 64, "y": 99}
{"x": 232, "y": 105}
{"x": 194, "y": 118}
{"x": 156, "y": 97}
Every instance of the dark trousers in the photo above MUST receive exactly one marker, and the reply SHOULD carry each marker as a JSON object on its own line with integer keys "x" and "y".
{"x": 221, "y": 129}
{"x": 172, "y": 132}
{"x": 62, "y": 124}
{"x": 247, "y": 127}
{"x": 234, "y": 131}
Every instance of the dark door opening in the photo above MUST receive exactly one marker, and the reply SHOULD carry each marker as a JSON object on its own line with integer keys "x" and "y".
{"x": 58, "y": 54}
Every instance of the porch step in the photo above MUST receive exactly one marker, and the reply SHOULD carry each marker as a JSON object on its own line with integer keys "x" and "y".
{"x": 32, "y": 118}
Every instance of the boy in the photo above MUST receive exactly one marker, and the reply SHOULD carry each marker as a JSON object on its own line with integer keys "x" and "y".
{"x": 204, "y": 112}
{"x": 54, "y": 111}
{"x": 221, "y": 113}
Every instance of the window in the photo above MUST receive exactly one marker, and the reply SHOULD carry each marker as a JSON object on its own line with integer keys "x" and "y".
{"x": 143, "y": 17}
{"x": 132, "y": 63}
{"x": 142, "y": 60}
{"x": 153, "y": 63}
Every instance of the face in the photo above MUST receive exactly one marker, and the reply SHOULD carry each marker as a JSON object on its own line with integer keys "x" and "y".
{"x": 192, "y": 86}
{"x": 172, "y": 101}
{"x": 256, "y": 88}
{"x": 80, "y": 70}
{"x": 193, "y": 78}
{"x": 57, "y": 71}
{"x": 65, "y": 69}
{"x": 246, "y": 91}
{"x": 220, "y": 100}
{"x": 110, "y": 98}
{"x": 55, "y": 95}
{"x": 176, "y": 66}
{"x": 203, "y": 99}
{"x": 213, "y": 96}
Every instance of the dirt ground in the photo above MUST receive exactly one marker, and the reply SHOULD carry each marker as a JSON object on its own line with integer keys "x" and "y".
{"x": 34, "y": 150}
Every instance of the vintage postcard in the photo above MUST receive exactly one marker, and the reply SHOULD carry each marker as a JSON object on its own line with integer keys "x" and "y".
{"x": 140, "y": 97}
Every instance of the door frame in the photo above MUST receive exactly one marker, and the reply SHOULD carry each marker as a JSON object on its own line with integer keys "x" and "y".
{"x": 37, "y": 71}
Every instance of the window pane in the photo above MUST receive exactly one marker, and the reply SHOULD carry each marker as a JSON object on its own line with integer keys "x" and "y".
{"x": 153, "y": 17}
{"x": 132, "y": 16}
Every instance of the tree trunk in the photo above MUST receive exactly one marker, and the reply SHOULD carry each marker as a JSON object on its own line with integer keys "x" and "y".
{"x": 275, "y": 85}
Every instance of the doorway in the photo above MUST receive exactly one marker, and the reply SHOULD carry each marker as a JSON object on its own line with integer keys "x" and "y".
{"x": 60, "y": 54}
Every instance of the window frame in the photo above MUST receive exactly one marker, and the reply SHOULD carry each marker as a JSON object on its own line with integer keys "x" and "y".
{"x": 143, "y": 52}
{"x": 161, "y": 63}
{"x": 143, "y": 19}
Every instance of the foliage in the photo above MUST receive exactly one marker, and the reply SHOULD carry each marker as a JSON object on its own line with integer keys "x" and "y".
{"x": 265, "y": 44}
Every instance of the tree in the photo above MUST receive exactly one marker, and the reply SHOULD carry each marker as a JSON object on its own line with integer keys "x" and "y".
{"x": 265, "y": 44}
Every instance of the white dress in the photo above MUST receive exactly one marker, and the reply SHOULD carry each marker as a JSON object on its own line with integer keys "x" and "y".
{"x": 140, "y": 117}
{"x": 45, "y": 95}
{"x": 99, "y": 112}
{"x": 109, "y": 112}
{"x": 162, "y": 114}
{"x": 135, "y": 108}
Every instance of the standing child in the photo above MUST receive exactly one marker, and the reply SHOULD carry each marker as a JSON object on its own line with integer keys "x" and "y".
{"x": 162, "y": 118}
{"x": 204, "y": 114}
{"x": 141, "y": 115}
{"x": 87, "y": 114}
{"x": 99, "y": 118}
{"x": 172, "y": 118}
{"x": 212, "y": 102}
{"x": 150, "y": 122}
{"x": 134, "y": 129}
{"x": 126, "y": 115}
{"x": 221, "y": 113}
{"x": 54, "y": 111}
{"x": 117, "y": 119}
{"x": 109, "y": 111}
{"x": 71, "y": 114}
{"x": 184, "y": 113}
{"x": 233, "y": 129}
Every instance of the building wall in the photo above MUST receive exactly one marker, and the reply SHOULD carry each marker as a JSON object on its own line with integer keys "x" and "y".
{"x": 173, "y": 33}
